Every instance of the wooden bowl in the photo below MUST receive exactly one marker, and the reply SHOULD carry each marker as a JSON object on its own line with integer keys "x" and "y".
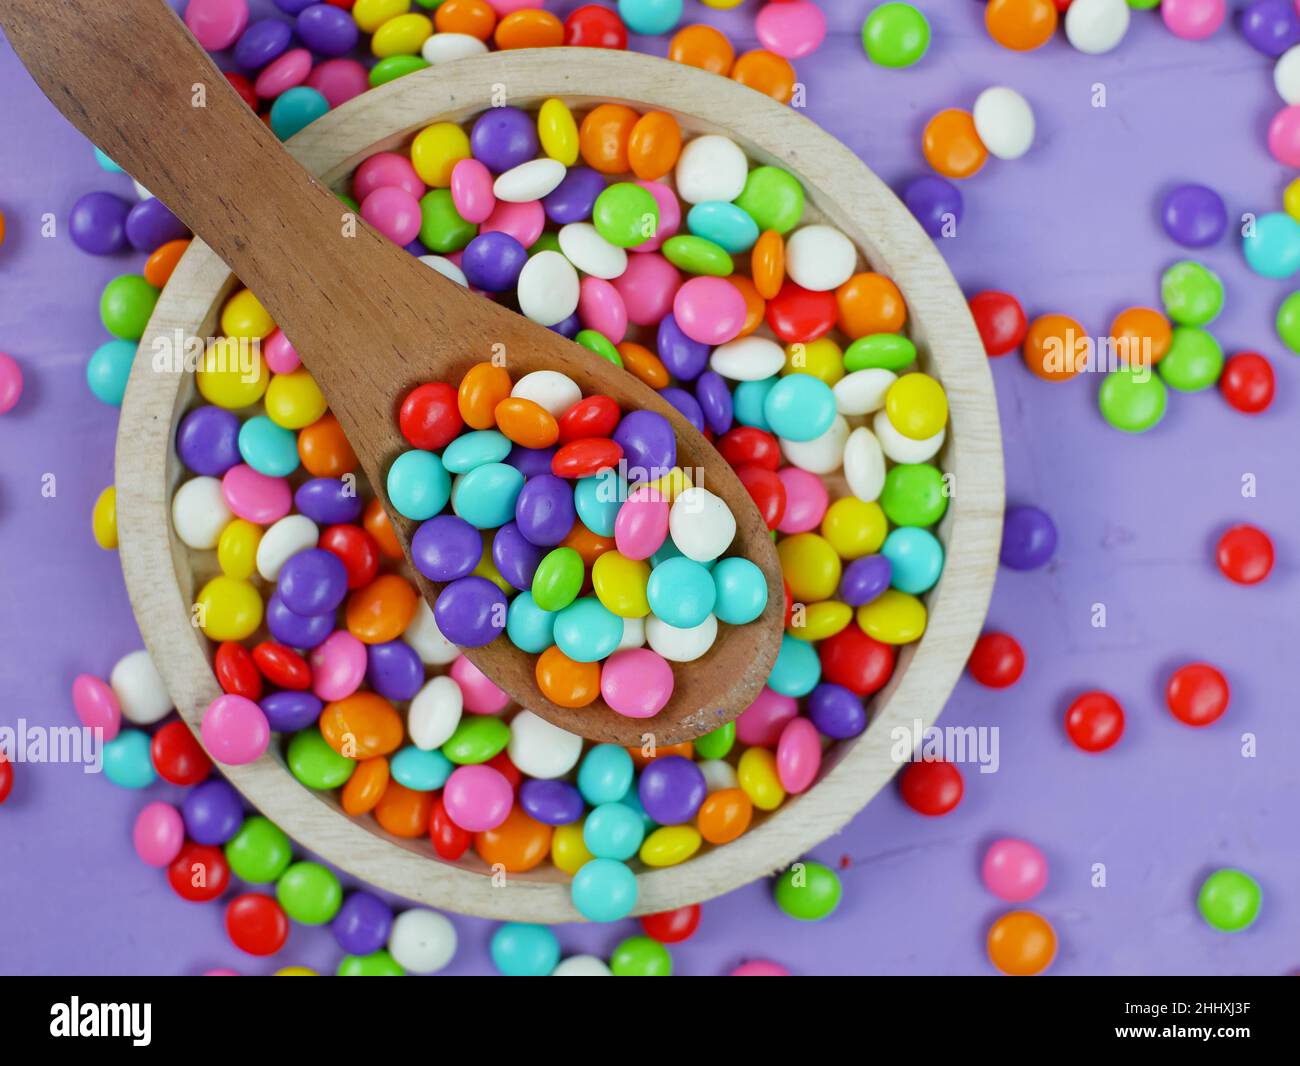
{"x": 162, "y": 573}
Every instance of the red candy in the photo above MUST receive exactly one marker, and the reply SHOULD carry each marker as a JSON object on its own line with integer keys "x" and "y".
{"x": 358, "y": 551}
{"x": 997, "y": 660}
{"x": 583, "y": 458}
{"x": 430, "y": 417}
{"x": 6, "y": 778}
{"x": 282, "y": 666}
{"x": 1095, "y": 721}
{"x": 236, "y": 672}
{"x": 745, "y": 444}
{"x": 256, "y": 924}
{"x": 595, "y": 416}
{"x": 593, "y": 26}
{"x": 800, "y": 315}
{"x": 931, "y": 788}
{"x": 672, "y": 927}
{"x": 450, "y": 841}
{"x": 1197, "y": 694}
{"x": 767, "y": 491}
{"x": 1000, "y": 320}
{"x": 199, "y": 873}
{"x": 244, "y": 87}
{"x": 177, "y": 755}
{"x": 860, "y": 663}
{"x": 1245, "y": 555}
{"x": 501, "y": 764}
{"x": 1247, "y": 382}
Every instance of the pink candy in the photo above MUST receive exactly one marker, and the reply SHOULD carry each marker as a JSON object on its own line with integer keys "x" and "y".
{"x": 636, "y": 682}
{"x": 216, "y": 24}
{"x": 641, "y": 525}
{"x": 760, "y": 968}
{"x": 1193, "y": 20}
{"x": 159, "y": 834}
{"x": 1014, "y": 870}
{"x": 1284, "y": 136}
{"x": 798, "y": 755}
{"x": 234, "y": 730}
{"x": 600, "y": 307}
{"x": 524, "y": 222}
{"x": 477, "y": 798}
{"x": 96, "y": 705}
{"x": 256, "y": 497}
{"x": 11, "y": 382}
{"x": 280, "y": 354}
{"x": 338, "y": 666}
{"x": 790, "y": 29}
{"x": 648, "y": 286}
{"x": 761, "y": 724}
{"x": 505, "y": 7}
{"x": 471, "y": 191}
{"x": 805, "y": 500}
{"x": 670, "y": 215}
{"x": 480, "y": 692}
{"x": 383, "y": 170}
{"x": 394, "y": 212}
{"x": 339, "y": 80}
{"x": 283, "y": 73}
{"x": 709, "y": 310}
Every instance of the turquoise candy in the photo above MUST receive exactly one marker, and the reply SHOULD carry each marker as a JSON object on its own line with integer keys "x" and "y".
{"x": 127, "y": 762}
{"x": 726, "y": 225}
{"x": 477, "y": 448}
{"x": 605, "y": 774}
{"x": 799, "y": 407}
{"x": 419, "y": 770}
{"x": 749, "y": 400}
{"x": 269, "y": 449}
{"x": 915, "y": 558}
{"x": 681, "y": 592}
{"x": 108, "y": 370}
{"x": 485, "y": 497}
{"x": 418, "y": 485}
{"x": 597, "y": 500}
{"x": 296, "y": 108}
{"x": 604, "y": 890}
{"x": 796, "y": 670}
{"x": 529, "y": 628}
{"x": 741, "y": 591}
{"x": 587, "y": 631}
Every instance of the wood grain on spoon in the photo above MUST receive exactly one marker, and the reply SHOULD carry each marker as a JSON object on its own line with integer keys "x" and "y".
{"x": 369, "y": 320}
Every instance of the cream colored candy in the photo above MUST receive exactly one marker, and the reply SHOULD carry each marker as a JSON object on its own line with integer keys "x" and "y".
{"x": 282, "y": 541}
{"x": 864, "y": 465}
{"x": 819, "y": 258}
{"x": 199, "y": 513}
{"x": 139, "y": 689}
{"x": 900, "y": 449}
{"x": 435, "y": 712}
{"x": 540, "y": 749}
{"x": 587, "y": 250}
{"x": 821, "y": 455}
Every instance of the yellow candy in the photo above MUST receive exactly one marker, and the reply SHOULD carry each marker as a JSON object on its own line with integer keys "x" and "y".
{"x": 558, "y": 131}
{"x": 294, "y": 400}
{"x": 296, "y": 971}
{"x": 237, "y": 549}
{"x": 854, "y": 527}
{"x": 1291, "y": 199}
{"x": 723, "y": 5}
{"x": 893, "y": 617}
{"x": 568, "y": 851}
{"x": 917, "y": 406}
{"x": 488, "y": 569}
{"x": 231, "y": 375}
{"x": 103, "y": 519}
{"x": 228, "y": 609}
{"x": 810, "y": 566}
{"x": 672, "y": 484}
{"x": 436, "y": 149}
{"x": 620, "y": 584}
{"x": 670, "y": 844}
{"x": 244, "y": 316}
{"x": 818, "y": 621}
{"x": 822, "y": 358}
{"x": 756, "y": 772}
{"x": 401, "y": 36}
{"x": 369, "y": 15}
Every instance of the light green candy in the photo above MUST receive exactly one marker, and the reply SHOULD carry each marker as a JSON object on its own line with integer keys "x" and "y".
{"x": 309, "y": 893}
{"x": 125, "y": 306}
{"x": 595, "y": 341}
{"x": 773, "y": 198}
{"x": 558, "y": 579}
{"x": 260, "y": 852}
{"x": 718, "y": 744}
{"x": 1288, "y": 322}
{"x": 393, "y": 67}
{"x": 478, "y": 738}
{"x": 913, "y": 494}
{"x": 626, "y": 214}
{"x": 641, "y": 956}
{"x": 1133, "y": 401}
{"x": 895, "y": 35}
{"x": 698, "y": 255}
{"x": 442, "y": 230}
{"x": 1193, "y": 294}
{"x": 1229, "y": 900}
{"x": 315, "y": 763}
{"x": 808, "y": 891}
{"x": 378, "y": 964}
{"x": 1194, "y": 360}
{"x": 887, "y": 351}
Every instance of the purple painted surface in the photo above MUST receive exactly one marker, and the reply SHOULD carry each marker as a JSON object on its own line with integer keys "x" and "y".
{"x": 1073, "y": 227}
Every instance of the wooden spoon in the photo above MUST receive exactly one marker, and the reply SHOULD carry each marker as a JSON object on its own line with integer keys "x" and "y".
{"x": 369, "y": 320}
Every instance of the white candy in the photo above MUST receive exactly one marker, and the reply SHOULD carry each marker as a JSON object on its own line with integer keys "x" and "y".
{"x": 633, "y": 634}
{"x": 548, "y": 288}
{"x": 282, "y": 541}
{"x": 444, "y": 47}
{"x": 821, "y": 455}
{"x": 747, "y": 359}
{"x": 1005, "y": 121}
{"x": 819, "y": 258}
{"x": 582, "y": 966}
{"x": 422, "y": 941}
{"x": 199, "y": 513}
{"x": 711, "y": 168}
{"x": 529, "y": 181}
{"x": 701, "y": 524}
{"x": 681, "y": 645}
{"x": 426, "y": 638}
{"x": 1286, "y": 75}
{"x": 139, "y": 689}
{"x": 446, "y": 268}
{"x": 586, "y": 249}
{"x": 864, "y": 465}
{"x": 900, "y": 449}
{"x": 435, "y": 712}
{"x": 718, "y": 774}
{"x": 863, "y": 391}
{"x": 540, "y": 749}
{"x": 549, "y": 389}
{"x": 1093, "y": 26}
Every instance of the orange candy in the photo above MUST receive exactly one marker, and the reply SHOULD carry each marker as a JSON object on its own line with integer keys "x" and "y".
{"x": 527, "y": 423}
{"x": 767, "y": 73}
{"x": 653, "y": 145}
{"x": 324, "y": 450}
{"x": 642, "y": 363}
{"x": 724, "y": 815}
{"x": 704, "y": 47}
{"x": 365, "y": 788}
{"x": 755, "y": 305}
{"x": 362, "y": 726}
{"x": 375, "y": 520}
{"x": 1055, "y": 347}
{"x": 870, "y": 303}
{"x": 159, "y": 266}
{"x": 1021, "y": 25}
{"x": 951, "y": 144}
{"x": 767, "y": 263}
{"x": 474, "y": 17}
{"x": 603, "y": 138}
{"x": 1022, "y": 944}
{"x": 517, "y": 844}
{"x": 529, "y": 28}
{"x": 481, "y": 389}
{"x": 591, "y": 546}
{"x": 564, "y": 682}
{"x": 382, "y": 610}
{"x": 641, "y": 760}
{"x": 1143, "y": 327}
{"x": 403, "y": 812}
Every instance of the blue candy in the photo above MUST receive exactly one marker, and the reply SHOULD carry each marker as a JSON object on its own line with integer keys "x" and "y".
{"x": 418, "y": 485}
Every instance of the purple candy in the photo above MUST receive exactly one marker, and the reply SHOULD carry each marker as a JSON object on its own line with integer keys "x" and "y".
{"x": 935, "y": 202}
{"x": 471, "y": 612}
{"x": 1028, "y": 538}
{"x": 836, "y": 712}
{"x": 575, "y": 197}
{"x": 296, "y": 630}
{"x": 327, "y": 30}
{"x": 569, "y": 327}
{"x": 362, "y": 923}
{"x": 684, "y": 358}
{"x": 516, "y": 557}
{"x": 714, "y": 398}
{"x": 531, "y": 461}
{"x": 503, "y": 137}
{"x": 150, "y": 225}
{"x": 648, "y": 442}
{"x": 1194, "y": 216}
{"x": 328, "y": 501}
{"x": 686, "y": 404}
{"x": 544, "y": 511}
{"x": 864, "y": 579}
{"x": 394, "y": 670}
{"x": 417, "y": 248}
{"x": 314, "y": 581}
{"x": 1270, "y": 26}
{"x": 207, "y": 440}
{"x": 212, "y": 811}
{"x": 262, "y": 42}
{"x": 493, "y": 261}
{"x": 671, "y": 789}
{"x": 446, "y": 547}
{"x": 287, "y": 711}
{"x": 551, "y": 802}
{"x": 293, "y": 7}
{"x": 98, "y": 223}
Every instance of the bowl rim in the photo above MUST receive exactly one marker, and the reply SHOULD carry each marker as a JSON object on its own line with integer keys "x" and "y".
{"x": 848, "y": 195}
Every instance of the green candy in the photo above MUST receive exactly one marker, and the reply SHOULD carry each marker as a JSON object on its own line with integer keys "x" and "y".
{"x": 315, "y": 763}
{"x": 125, "y": 306}
{"x": 718, "y": 744}
{"x": 260, "y": 852}
{"x": 888, "y": 351}
{"x": 1131, "y": 400}
{"x": 309, "y": 893}
{"x": 895, "y": 35}
{"x": 478, "y": 738}
{"x": 549, "y": 241}
{"x": 641, "y": 956}
{"x": 698, "y": 255}
{"x": 378, "y": 964}
{"x": 808, "y": 891}
{"x": 393, "y": 67}
{"x": 626, "y": 214}
{"x": 1288, "y": 322}
{"x": 348, "y": 202}
{"x": 773, "y": 198}
{"x": 1229, "y": 900}
{"x": 1194, "y": 360}
{"x": 595, "y": 341}
{"x": 1192, "y": 293}
{"x": 442, "y": 229}
{"x": 558, "y": 579}
{"x": 1143, "y": 5}
{"x": 914, "y": 495}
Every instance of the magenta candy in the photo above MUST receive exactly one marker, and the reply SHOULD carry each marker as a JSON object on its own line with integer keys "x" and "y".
{"x": 648, "y": 287}
{"x": 280, "y": 355}
{"x": 798, "y": 755}
{"x": 159, "y": 834}
{"x": 283, "y": 73}
{"x": 641, "y": 525}
{"x": 216, "y": 24}
{"x": 96, "y": 705}
{"x": 793, "y": 29}
{"x": 670, "y": 215}
{"x": 1014, "y": 870}
{"x": 394, "y": 212}
{"x": 383, "y": 170}
{"x": 1193, "y": 20}
{"x": 471, "y": 191}
{"x": 235, "y": 730}
{"x": 256, "y": 497}
{"x": 805, "y": 500}
{"x": 524, "y": 222}
{"x": 477, "y": 798}
{"x": 1284, "y": 136}
{"x": 481, "y": 694}
{"x": 339, "y": 80}
{"x": 636, "y": 682}
{"x": 338, "y": 666}
{"x": 761, "y": 724}
{"x": 710, "y": 310}
{"x": 600, "y": 307}
{"x": 760, "y": 968}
